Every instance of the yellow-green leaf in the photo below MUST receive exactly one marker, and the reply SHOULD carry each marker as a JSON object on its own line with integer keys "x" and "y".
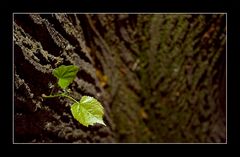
{"x": 88, "y": 111}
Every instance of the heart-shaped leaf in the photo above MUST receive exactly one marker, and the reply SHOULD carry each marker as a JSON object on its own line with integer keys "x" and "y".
{"x": 65, "y": 75}
{"x": 88, "y": 111}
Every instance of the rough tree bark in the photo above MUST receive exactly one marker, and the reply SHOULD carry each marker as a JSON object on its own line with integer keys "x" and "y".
{"x": 160, "y": 77}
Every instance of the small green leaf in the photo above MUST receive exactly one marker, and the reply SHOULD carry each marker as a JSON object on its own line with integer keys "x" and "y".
{"x": 65, "y": 75}
{"x": 88, "y": 111}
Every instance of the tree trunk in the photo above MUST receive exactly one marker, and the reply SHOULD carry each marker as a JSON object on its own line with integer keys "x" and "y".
{"x": 160, "y": 77}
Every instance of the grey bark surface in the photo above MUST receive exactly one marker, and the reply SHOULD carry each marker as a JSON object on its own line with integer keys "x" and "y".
{"x": 160, "y": 78}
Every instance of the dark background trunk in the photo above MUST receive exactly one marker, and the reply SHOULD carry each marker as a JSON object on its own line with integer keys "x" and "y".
{"x": 160, "y": 77}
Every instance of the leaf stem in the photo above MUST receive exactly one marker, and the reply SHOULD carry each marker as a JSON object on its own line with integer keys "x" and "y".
{"x": 60, "y": 95}
{"x": 69, "y": 97}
